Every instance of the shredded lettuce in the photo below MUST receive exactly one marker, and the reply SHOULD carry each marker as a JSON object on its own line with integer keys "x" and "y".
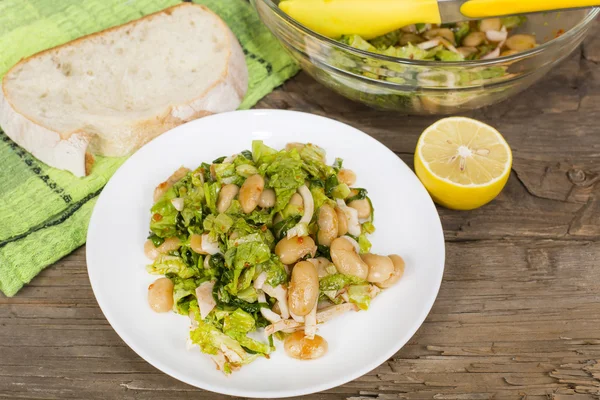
{"x": 364, "y": 244}
{"x": 166, "y": 264}
{"x": 237, "y": 325}
{"x": 211, "y": 192}
{"x": 275, "y": 270}
{"x": 164, "y": 216}
{"x": 184, "y": 291}
{"x": 285, "y": 175}
{"x": 359, "y": 295}
{"x": 261, "y": 151}
{"x": 337, "y": 282}
{"x": 246, "y": 245}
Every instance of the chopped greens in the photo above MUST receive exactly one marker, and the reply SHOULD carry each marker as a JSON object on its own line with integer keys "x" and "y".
{"x": 226, "y": 257}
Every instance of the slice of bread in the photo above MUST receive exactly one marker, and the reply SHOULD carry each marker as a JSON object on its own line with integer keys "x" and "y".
{"x": 110, "y": 92}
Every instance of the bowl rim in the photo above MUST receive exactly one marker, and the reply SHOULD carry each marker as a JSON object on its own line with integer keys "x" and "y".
{"x": 591, "y": 15}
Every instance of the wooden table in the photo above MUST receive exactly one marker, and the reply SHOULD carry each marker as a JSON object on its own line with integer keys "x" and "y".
{"x": 518, "y": 314}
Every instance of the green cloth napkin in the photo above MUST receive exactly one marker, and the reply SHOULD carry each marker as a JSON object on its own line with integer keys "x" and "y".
{"x": 44, "y": 212}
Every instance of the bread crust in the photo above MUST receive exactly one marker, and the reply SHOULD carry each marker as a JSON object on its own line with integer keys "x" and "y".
{"x": 67, "y": 150}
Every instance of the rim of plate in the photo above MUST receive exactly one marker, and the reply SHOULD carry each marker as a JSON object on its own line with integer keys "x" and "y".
{"x": 205, "y": 385}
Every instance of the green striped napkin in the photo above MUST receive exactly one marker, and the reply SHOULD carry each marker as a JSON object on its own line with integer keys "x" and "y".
{"x": 44, "y": 212}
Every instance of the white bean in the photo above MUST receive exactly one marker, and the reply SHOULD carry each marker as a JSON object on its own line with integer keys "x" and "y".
{"x": 346, "y": 176}
{"x": 267, "y": 199}
{"x": 328, "y": 225}
{"x": 226, "y": 196}
{"x": 398, "y": 272}
{"x": 291, "y": 250}
{"x": 170, "y": 244}
{"x": 363, "y": 207}
{"x": 474, "y": 39}
{"x": 166, "y": 185}
{"x": 342, "y": 221}
{"x": 346, "y": 259}
{"x": 521, "y": 42}
{"x": 490, "y": 24}
{"x": 303, "y": 291}
{"x": 250, "y": 193}
{"x": 160, "y": 295}
{"x": 381, "y": 268}
{"x": 299, "y": 346}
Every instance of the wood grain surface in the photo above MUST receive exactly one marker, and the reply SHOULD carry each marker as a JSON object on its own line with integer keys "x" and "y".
{"x": 518, "y": 314}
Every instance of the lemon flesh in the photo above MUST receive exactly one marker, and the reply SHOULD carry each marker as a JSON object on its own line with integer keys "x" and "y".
{"x": 463, "y": 163}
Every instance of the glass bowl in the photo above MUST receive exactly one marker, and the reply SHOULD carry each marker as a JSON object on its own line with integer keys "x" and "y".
{"x": 428, "y": 87}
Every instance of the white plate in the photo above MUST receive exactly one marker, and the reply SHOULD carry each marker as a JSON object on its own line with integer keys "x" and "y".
{"x": 406, "y": 220}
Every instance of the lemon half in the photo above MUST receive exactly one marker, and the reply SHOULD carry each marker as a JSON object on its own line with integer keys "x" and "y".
{"x": 463, "y": 163}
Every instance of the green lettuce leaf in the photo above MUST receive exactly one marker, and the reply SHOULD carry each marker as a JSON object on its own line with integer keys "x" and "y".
{"x": 313, "y": 157}
{"x": 210, "y": 339}
{"x": 364, "y": 244}
{"x": 461, "y": 31}
{"x": 513, "y": 21}
{"x": 275, "y": 270}
{"x": 245, "y": 279}
{"x": 447, "y": 55}
{"x": 384, "y": 41}
{"x": 164, "y": 216}
{"x": 286, "y": 175}
{"x": 248, "y": 295}
{"x": 341, "y": 191}
{"x": 227, "y": 173}
{"x": 359, "y": 295}
{"x": 280, "y": 229}
{"x": 211, "y": 193}
{"x": 319, "y": 197}
{"x": 237, "y": 325}
{"x": 260, "y": 151}
{"x": 184, "y": 291}
{"x": 165, "y": 264}
{"x": 261, "y": 217}
{"x": 409, "y": 51}
{"x": 250, "y": 251}
{"x": 218, "y": 225}
{"x": 337, "y": 282}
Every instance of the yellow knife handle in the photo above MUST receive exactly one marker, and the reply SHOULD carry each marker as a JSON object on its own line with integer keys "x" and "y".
{"x": 494, "y": 8}
{"x": 368, "y": 18}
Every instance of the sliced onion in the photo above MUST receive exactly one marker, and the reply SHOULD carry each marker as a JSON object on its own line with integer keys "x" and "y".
{"x": 231, "y": 355}
{"x": 282, "y": 325}
{"x": 492, "y": 54}
{"x": 279, "y": 293}
{"x": 260, "y": 281}
{"x": 497, "y": 36}
{"x": 209, "y": 246}
{"x": 269, "y": 315}
{"x": 296, "y": 318}
{"x": 230, "y": 159}
{"x": 331, "y": 312}
{"x": 177, "y": 203}
{"x": 351, "y": 216}
{"x": 309, "y": 207}
{"x": 206, "y": 301}
{"x": 449, "y": 45}
{"x": 430, "y": 44}
{"x": 219, "y": 360}
{"x": 310, "y": 323}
